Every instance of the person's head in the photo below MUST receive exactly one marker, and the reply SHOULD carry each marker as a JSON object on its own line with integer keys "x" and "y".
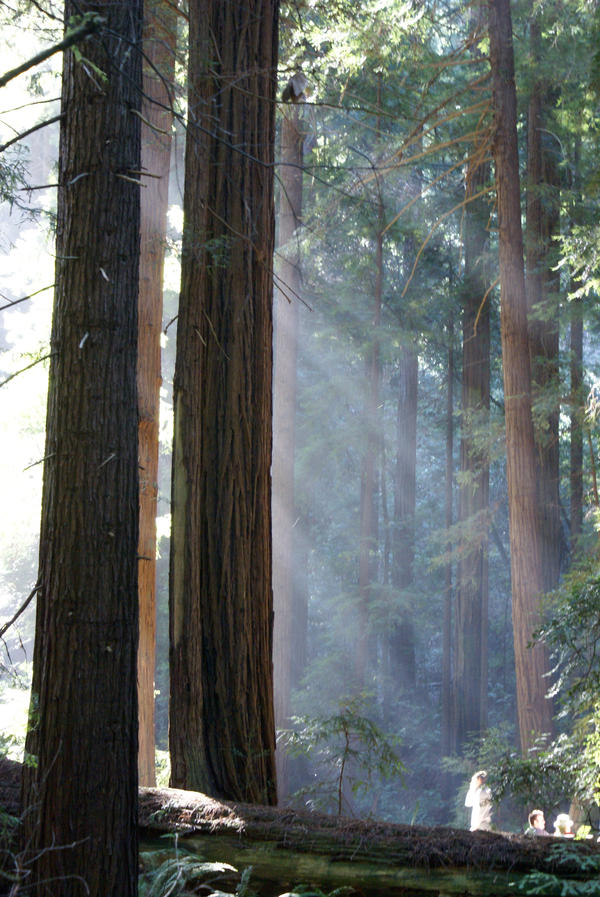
{"x": 481, "y": 776}
{"x": 563, "y": 824}
{"x": 537, "y": 820}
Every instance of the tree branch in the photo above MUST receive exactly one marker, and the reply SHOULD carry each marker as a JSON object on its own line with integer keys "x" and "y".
{"x": 90, "y": 23}
{"x": 42, "y": 124}
{"x": 16, "y": 373}
{"x": 23, "y": 607}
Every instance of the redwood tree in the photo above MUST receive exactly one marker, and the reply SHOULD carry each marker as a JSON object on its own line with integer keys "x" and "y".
{"x": 222, "y": 733}
{"x": 534, "y": 711}
{"x": 470, "y": 674}
{"x": 543, "y": 225}
{"x": 80, "y": 798}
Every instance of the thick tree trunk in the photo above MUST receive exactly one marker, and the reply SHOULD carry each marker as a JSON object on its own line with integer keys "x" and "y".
{"x": 80, "y": 799}
{"x": 286, "y": 302}
{"x": 543, "y": 224}
{"x": 160, "y": 28}
{"x": 470, "y": 676}
{"x": 534, "y": 711}
{"x": 221, "y": 732}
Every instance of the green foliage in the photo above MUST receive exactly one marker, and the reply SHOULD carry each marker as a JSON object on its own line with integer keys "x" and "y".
{"x": 550, "y": 773}
{"x": 553, "y": 885}
{"x": 180, "y": 874}
{"x": 347, "y": 747}
{"x": 572, "y": 633}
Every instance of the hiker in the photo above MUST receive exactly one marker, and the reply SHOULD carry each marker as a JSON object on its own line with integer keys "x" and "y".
{"x": 563, "y": 826}
{"x": 537, "y": 824}
{"x": 479, "y": 798}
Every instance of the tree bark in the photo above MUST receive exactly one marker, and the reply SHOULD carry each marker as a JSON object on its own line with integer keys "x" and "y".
{"x": 577, "y": 412}
{"x": 221, "y": 732}
{"x": 534, "y": 711}
{"x": 470, "y": 675}
{"x": 286, "y": 299}
{"x": 577, "y": 398}
{"x": 160, "y": 28}
{"x": 80, "y": 800}
{"x": 543, "y": 224}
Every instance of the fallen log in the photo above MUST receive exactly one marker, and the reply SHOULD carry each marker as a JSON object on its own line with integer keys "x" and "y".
{"x": 287, "y": 848}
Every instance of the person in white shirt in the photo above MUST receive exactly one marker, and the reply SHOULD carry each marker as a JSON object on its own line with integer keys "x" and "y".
{"x": 479, "y": 798}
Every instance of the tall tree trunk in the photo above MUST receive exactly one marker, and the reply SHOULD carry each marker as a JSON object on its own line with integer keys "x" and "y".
{"x": 543, "y": 224}
{"x": 577, "y": 399}
{"x": 402, "y": 633}
{"x": 160, "y": 27}
{"x": 222, "y": 732}
{"x": 80, "y": 799}
{"x": 446, "y": 691}
{"x": 470, "y": 678}
{"x": 576, "y": 423}
{"x": 402, "y": 636}
{"x": 286, "y": 298}
{"x": 534, "y": 711}
{"x": 367, "y": 565}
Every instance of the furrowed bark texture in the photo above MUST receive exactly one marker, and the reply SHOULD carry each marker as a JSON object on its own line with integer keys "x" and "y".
{"x": 534, "y": 712}
{"x": 160, "y": 28}
{"x": 222, "y": 734}
{"x": 286, "y": 304}
{"x": 80, "y": 802}
{"x": 543, "y": 225}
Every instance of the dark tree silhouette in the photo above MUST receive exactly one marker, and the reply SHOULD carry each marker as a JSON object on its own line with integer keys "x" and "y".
{"x": 222, "y": 733}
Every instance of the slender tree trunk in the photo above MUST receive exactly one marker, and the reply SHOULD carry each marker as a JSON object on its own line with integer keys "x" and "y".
{"x": 543, "y": 224}
{"x": 576, "y": 422}
{"x": 577, "y": 402}
{"x": 367, "y": 565}
{"x": 160, "y": 27}
{"x": 470, "y": 681}
{"x": 80, "y": 799}
{"x": 534, "y": 711}
{"x": 222, "y": 732}
{"x": 402, "y": 636}
{"x": 447, "y": 715}
{"x": 286, "y": 300}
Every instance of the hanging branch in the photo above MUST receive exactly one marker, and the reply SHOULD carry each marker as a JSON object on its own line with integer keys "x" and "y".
{"x": 435, "y": 227}
{"x": 431, "y": 184}
{"x": 23, "y": 607}
{"x": 42, "y": 124}
{"x": 22, "y": 370}
{"x": 24, "y": 298}
{"x": 91, "y": 22}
